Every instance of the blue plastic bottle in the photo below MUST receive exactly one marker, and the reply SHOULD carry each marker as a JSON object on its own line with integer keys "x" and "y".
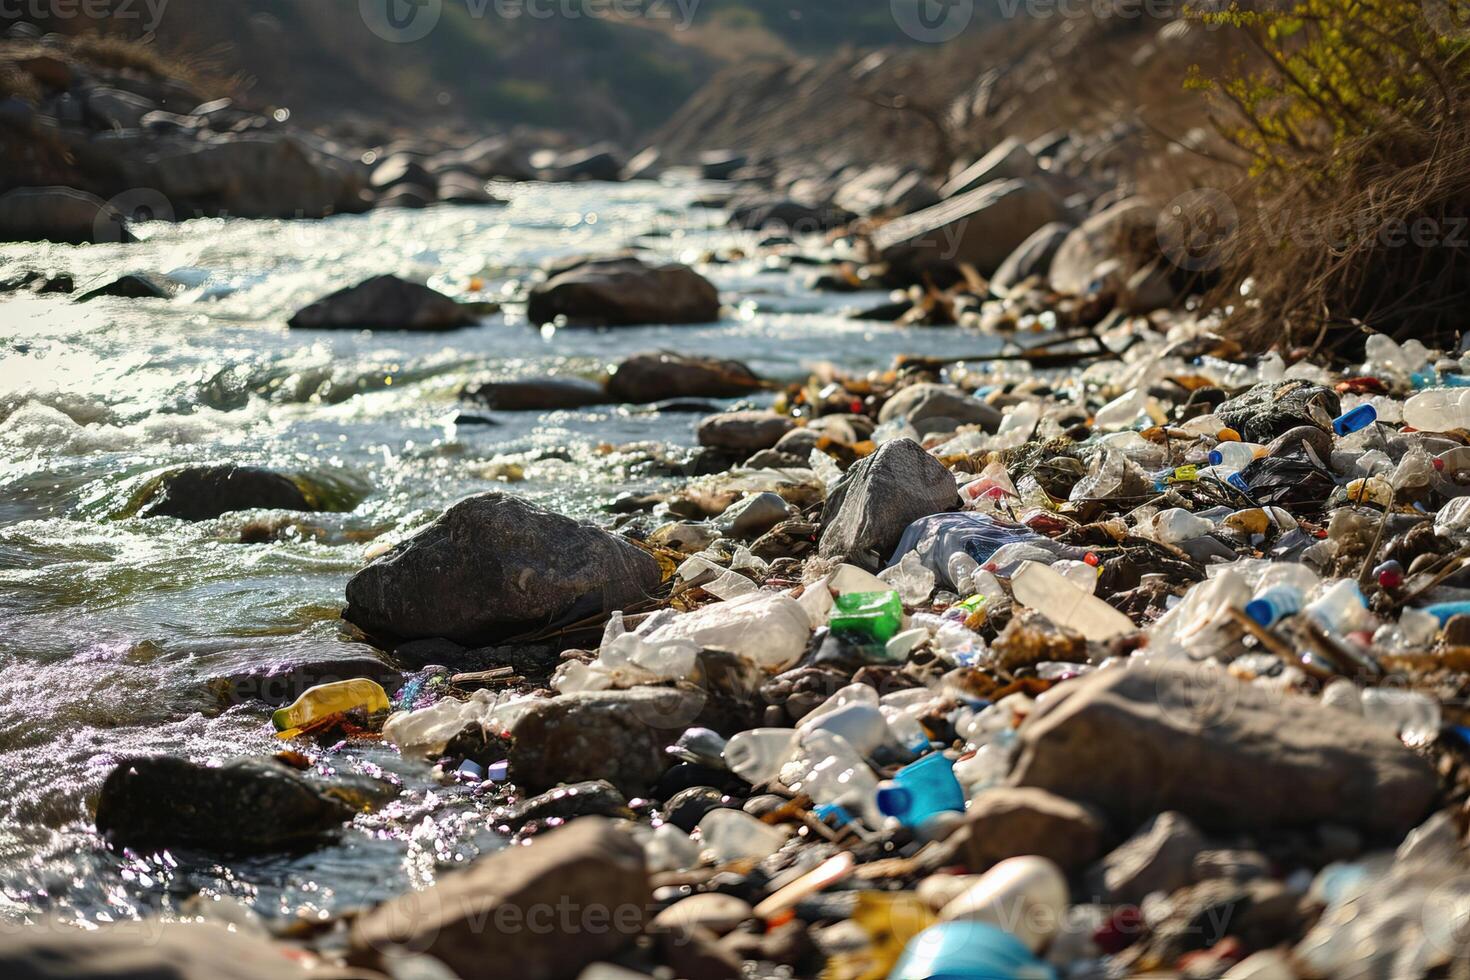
{"x": 968, "y": 950}
{"x": 1274, "y": 605}
{"x": 920, "y": 790}
{"x": 1359, "y": 418}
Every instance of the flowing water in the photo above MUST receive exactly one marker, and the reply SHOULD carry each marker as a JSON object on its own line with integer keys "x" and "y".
{"x": 112, "y": 627}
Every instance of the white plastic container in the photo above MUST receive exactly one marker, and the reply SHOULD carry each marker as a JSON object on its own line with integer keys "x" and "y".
{"x": 1026, "y": 896}
{"x": 1037, "y": 586}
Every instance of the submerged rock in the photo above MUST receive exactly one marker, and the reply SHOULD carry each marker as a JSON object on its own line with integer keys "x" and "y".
{"x": 1230, "y": 756}
{"x": 535, "y": 394}
{"x": 868, "y": 510}
{"x": 624, "y": 292}
{"x": 619, "y": 736}
{"x": 248, "y": 805}
{"x": 538, "y": 912}
{"x": 660, "y": 375}
{"x": 200, "y": 493}
{"x": 131, "y": 286}
{"x": 384, "y": 303}
{"x": 494, "y": 566}
{"x": 59, "y": 214}
{"x": 591, "y": 798}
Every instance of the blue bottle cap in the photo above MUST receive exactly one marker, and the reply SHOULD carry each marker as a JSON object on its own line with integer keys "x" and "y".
{"x": 1216, "y": 457}
{"x": 1261, "y": 611}
{"x": 894, "y": 800}
{"x": 1238, "y": 482}
{"x": 835, "y": 812}
{"x": 1359, "y": 418}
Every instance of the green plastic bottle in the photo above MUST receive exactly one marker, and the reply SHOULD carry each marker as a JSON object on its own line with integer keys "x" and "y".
{"x": 871, "y": 617}
{"x": 330, "y": 699}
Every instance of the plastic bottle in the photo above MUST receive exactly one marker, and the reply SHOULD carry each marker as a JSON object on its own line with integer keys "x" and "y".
{"x": 1340, "y": 608}
{"x": 1235, "y": 455}
{"x": 1046, "y": 591}
{"x": 1353, "y": 420}
{"x": 872, "y": 617}
{"x": 1272, "y": 605}
{"x": 329, "y": 699}
{"x": 757, "y": 754}
{"x": 734, "y": 835}
{"x": 1414, "y": 717}
{"x": 968, "y": 951}
{"x": 921, "y": 790}
{"x": 827, "y": 768}
{"x": 1027, "y": 896}
{"x": 862, "y": 725}
{"x": 911, "y": 578}
{"x": 1439, "y": 409}
{"x": 1121, "y": 411}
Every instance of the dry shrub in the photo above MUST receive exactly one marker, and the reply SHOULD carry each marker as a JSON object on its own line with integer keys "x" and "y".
{"x": 1356, "y": 143}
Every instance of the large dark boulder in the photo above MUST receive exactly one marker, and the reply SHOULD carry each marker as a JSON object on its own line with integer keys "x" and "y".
{"x": 58, "y": 214}
{"x": 1231, "y": 756}
{"x": 244, "y": 806}
{"x": 933, "y": 407}
{"x": 572, "y": 897}
{"x": 200, "y": 493}
{"x": 743, "y": 432}
{"x": 868, "y": 510}
{"x": 625, "y": 292}
{"x": 1033, "y": 257}
{"x": 495, "y": 566}
{"x": 659, "y": 375}
{"x": 384, "y": 303}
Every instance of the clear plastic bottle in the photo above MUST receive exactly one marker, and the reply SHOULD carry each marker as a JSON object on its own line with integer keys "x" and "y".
{"x": 1028, "y": 896}
{"x": 1439, "y": 409}
{"x": 757, "y": 754}
{"x": 1121, "y": 411}
{"x": 330, "y": 699}
{"x": 1037, "y": 586}
{"x": 911, "y": 578}
{"x": 734, "y": 835}
{"x": 1414, "y": 716}
{"x": 1235, "y": 455}
{"x": 862, "y": 725}
{"x": 1177, "y": 524}
{"x": 1341, "y": 608}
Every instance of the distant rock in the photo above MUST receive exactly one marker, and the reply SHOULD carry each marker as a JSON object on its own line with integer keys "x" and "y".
{"x": 200, "y": 493}
{"x": 656, "y": 376}
{"x": 933, "y": 407}
{"x": 786, "y": 214}
{"x": 59, "y": 214}
{"x": 1033, "y": 257}
{"x": 744, "y": 432}
{"x": 458, "y": 187}
{"x": 1006, "y": 822}
{"x": 494, "y": 566}
{"x": 980, "y": 228}
{"x": 1109, "y": 234}
{"x": 1008, "y": 160}
{"x": 383, "y": 303}
{"x": 868, "y": 510}
{"x": 248, "y": 805}
{"x": 624, "y": 292}
{"x": 720, "y": 164}
{"x": 1231, "y": 756}
{"x": 601, "y": 162}
{"x": 535, "y": 394}
{"x": 507, "y": 915}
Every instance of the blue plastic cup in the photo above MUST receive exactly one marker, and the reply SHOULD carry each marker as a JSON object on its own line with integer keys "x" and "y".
{"x": 1444, "y": 610}
{"x": 1359, "y": 418}
{"x": 1274, "y": 605}
{"x": 921, "y": 790}
{"x": 968, "y": 950}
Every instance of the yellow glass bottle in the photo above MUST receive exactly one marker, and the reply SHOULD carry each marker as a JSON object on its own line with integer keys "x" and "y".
{"x": 329, "y": 699}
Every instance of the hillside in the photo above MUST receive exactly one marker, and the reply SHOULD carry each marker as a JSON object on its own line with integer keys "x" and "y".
{"x": 594, "y": 76}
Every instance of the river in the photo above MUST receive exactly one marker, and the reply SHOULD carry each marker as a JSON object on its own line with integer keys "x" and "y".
{"x": 111, "y": 628}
